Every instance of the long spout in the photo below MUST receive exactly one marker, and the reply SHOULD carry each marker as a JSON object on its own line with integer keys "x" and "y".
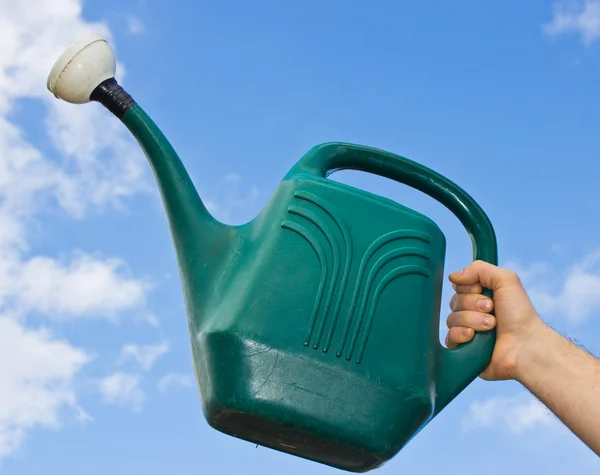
{"x": 190, "y": 222}
{"x": 85, "y": 72}
{"x": 182, "y": 203}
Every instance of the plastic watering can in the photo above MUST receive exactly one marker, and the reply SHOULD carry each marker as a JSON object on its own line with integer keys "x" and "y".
{"x": 314, "y": 327}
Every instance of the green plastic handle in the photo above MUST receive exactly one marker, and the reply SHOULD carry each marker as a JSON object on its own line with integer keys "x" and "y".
{"x": 459, "y": 366}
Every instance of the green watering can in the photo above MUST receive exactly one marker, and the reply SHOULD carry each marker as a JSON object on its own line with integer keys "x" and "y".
{"x": 314, "y": 327}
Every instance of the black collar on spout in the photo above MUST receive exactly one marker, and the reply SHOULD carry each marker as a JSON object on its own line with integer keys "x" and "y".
{"x": 113, "y": 97}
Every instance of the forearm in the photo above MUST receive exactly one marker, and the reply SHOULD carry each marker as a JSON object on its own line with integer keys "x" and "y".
{"x": 567, "y": 380}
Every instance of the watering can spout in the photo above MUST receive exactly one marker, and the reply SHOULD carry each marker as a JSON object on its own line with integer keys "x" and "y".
{"x": 86, "y": 72}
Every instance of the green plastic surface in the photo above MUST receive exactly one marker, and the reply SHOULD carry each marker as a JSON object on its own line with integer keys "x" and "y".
{"x": 315, "y": 327}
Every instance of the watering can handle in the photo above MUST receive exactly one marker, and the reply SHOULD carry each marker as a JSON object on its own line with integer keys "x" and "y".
{"x": 459, "y": 366}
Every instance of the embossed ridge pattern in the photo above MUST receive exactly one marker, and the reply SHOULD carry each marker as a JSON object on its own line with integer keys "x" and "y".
{"x": 303, "y": 232}
{"x": 317, "y": 211}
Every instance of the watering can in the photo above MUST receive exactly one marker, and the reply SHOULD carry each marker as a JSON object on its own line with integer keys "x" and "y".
{"x": 314, "y": 327}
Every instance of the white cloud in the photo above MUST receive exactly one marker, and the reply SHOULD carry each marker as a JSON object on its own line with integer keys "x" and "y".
{"x": 98, "y": 163}
{"x": 236, "y": 200}
{"x": 37, "y": 373}
{"x": 572, "y": 294}
{"x": 94, "y": 164}
{"x": 173, "y": 381}
{"x": 135, "y": 26}
{"x": 123, "y": 389}
{"x": 233, "y": 178}
{"x": 582, "y": 17}
{"x": 83, "y": 286}
{"x": 145, "y": 356}
{"x": 152, "y": 320}
{"x": 514, "y": 414}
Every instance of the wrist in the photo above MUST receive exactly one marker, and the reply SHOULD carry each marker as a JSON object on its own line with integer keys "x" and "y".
{"x": 535, "y": 352}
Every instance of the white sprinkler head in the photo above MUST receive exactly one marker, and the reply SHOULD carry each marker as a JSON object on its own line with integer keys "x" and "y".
{"x": 81, "y": 68}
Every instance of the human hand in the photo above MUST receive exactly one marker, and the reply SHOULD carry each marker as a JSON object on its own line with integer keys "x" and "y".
{"x": 516, "y": 320}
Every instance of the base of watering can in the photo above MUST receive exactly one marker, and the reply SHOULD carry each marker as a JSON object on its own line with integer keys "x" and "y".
{"x": 292, "y": 441}
{"x": 305, "y": 402}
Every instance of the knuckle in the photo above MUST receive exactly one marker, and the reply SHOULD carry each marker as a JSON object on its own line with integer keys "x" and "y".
{"x": 461, "y": 334}
{"x": 469, "y": 289}
{"x": 460, "y": 318}
{"x": 468, "y": 319}
{"x": 451, "y": 339}
{"x": 479, "y": 264}
{"x": 468, "y": 302}
{"x": 512, "y": 277}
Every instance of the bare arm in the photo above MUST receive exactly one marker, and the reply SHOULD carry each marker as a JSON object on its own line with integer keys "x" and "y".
{"x": 561, "y": 375}
{"x": 567, "y": 380}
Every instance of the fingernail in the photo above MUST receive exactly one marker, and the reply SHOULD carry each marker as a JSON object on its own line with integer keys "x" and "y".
{"x": 487, "y": 321}
{"x": 484, "y": 304}
{"x": 466, "y": 332}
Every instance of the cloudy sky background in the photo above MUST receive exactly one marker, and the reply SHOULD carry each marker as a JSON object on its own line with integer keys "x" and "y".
{"x": 95, "y": 366}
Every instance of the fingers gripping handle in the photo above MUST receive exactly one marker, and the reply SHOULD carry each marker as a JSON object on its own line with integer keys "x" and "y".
{"x": 460, "y": 366}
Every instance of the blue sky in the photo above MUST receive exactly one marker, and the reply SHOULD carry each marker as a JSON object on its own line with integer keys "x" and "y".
{"x": 95, "y": 363}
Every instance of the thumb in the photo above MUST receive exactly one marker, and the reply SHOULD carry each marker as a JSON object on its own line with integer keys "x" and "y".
{"x": 487, "y": 275}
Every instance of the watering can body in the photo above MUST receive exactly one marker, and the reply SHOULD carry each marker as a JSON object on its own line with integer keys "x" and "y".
{"x": 322, "y": 337}
{"x": 314, "y": 327}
